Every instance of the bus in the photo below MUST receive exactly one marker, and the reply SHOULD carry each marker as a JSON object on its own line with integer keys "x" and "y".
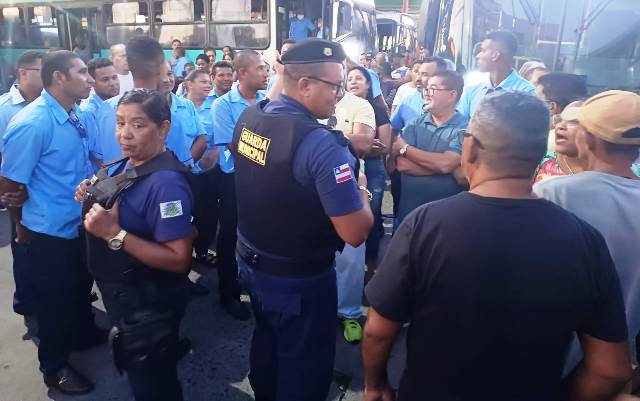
{"x": 242, "y": 24}
{"x": 396, "y": 31}
{"x": 596, "y": 38}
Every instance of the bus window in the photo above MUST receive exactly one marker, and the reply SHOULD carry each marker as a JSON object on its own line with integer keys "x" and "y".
{"x": 344, "y": 18}
{"x": 12, "y": 28}
{"x": 123, "y": 20}
{"x": 242, "y": 24}
{"x": 179, "y": 19}
{"x": 42, "y": 29}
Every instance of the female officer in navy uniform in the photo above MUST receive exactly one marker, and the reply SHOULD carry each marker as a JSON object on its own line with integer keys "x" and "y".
{"x": 139, "y": 235}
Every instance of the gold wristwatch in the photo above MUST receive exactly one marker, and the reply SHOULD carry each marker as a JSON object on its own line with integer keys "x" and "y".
{"x": 115, "y": 243}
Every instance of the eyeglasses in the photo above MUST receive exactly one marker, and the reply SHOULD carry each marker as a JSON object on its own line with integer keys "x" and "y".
{"x": 467, "y": 134}
{"x": 432, "y": 91}
{"x": 338, "y": 88}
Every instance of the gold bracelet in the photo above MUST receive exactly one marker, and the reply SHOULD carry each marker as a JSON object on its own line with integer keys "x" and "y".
{"x": 369, "y": 194}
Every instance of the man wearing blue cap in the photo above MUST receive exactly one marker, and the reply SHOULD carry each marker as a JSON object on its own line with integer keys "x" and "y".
{"x": 299, "y": 200}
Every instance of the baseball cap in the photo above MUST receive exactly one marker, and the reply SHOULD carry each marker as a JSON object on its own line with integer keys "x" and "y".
{"x": 613, "y": 116}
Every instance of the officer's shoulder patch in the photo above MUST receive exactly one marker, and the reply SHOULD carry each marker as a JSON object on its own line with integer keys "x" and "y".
{"x": 171, "y": 209}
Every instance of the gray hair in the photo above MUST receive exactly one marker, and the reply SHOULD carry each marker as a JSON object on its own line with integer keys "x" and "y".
{"x": 513, "y": 127}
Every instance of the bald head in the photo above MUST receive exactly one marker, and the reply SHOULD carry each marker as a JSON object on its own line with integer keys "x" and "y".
{"x": 512, "y": 129}
{"x": 119, "y": 58}
{"x": 246, "y": 59}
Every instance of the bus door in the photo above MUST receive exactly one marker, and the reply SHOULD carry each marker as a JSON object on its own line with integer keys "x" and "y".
{"x": 80, "y": 28}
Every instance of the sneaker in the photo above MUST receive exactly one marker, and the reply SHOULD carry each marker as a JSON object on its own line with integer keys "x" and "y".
{"x": 352, "y": 331}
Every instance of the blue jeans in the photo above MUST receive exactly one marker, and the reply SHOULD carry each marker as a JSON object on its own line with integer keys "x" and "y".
{"x": 350, "y": 278}
{"x": 376, "y": 183}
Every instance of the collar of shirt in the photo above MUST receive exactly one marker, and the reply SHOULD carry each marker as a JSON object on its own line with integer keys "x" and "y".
{"x": 16, "y": 96}
{"x": 508, "y": 82}
{"x": 176, "y": 102}
{"x": 456, "y": 119}
{"x": 93, "y": 97}
{"x": 236, "y": 97}
{"x": 206, "y": 104}
{"x": 56, "y": 108}
{"x": 287, "y": 103}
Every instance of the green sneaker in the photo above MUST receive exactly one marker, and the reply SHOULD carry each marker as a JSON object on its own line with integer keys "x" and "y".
{"x": 352, "y": 331}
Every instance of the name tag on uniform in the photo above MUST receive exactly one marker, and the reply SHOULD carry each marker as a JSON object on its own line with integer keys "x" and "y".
{"x": 171, "y": 209}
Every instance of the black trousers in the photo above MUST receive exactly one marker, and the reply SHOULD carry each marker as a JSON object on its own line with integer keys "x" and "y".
{"x": 157, "y": 380}
{"x": 205, "y": 217}
{"x": 226, "y": 245}
{"x": 62, "y": 294}
{"x": 23, "y": 297}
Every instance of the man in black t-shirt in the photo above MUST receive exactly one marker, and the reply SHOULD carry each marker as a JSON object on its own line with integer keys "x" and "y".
{"x": 495, "y": 281}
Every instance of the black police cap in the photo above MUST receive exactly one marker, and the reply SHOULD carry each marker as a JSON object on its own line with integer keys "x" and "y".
{"x": 313, "y": 50}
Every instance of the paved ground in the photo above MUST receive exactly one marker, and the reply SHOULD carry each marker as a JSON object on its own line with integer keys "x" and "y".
{"x": 216, "y": 369}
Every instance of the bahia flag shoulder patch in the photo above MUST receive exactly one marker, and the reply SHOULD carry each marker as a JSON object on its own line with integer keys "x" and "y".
{"x": 342, "y": 173}
{"x": 171, "y": 209}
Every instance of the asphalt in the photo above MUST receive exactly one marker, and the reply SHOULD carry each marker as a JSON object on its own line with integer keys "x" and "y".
{"x": 215, "y": 369}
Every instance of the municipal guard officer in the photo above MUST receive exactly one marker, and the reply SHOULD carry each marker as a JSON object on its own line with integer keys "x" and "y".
{"x": 139, "y": 233}
{"x": 299, "y": 200}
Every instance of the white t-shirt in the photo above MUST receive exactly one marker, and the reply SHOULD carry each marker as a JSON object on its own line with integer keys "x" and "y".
{"x": 126, "y": 82}
{"x": 403, "y": 91}
{"x": 611, "y": 205}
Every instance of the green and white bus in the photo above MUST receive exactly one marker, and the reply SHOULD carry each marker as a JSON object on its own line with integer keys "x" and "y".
{"x": 241, "y": 24}
{"x": 596, "y": 38}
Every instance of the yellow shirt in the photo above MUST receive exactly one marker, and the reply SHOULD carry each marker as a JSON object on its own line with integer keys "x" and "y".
{"x": 353, "y": 109}
{"x": 551, "y": 143}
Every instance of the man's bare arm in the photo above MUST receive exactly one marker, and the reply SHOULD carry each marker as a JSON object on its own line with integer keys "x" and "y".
{"x": 409, "y": 167}
{"x": 379, "y": 335}
{"x": 361, "y": 138}
{"x": 441, "y": 163}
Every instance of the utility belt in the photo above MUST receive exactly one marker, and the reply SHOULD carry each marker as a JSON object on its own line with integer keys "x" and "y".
{"x": 146, "y": 333}
{"x": 282, "y": 267}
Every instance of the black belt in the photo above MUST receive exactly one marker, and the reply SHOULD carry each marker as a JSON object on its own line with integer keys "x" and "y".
{"x": 283, "y": 267}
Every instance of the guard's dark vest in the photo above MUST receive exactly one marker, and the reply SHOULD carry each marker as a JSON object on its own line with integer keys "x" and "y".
{"x": 104, "y": 263}
{"x": 276, "y": 214}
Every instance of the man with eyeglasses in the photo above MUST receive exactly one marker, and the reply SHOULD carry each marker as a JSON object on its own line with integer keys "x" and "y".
{"x": 428, "y": 152}
{"x": 299, "y": 200}
{"x": 46, "y": 150}
{"x": 27, "y": 89}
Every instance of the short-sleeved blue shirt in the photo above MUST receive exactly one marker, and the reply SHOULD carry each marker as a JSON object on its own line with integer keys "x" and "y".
{"x": 44, "y": 151}
{"x": 315, "y": 162}
{"x": 10, "y": 104}
{"x": 422, "y": 133}
{"x": 376, "y": 89}
{"x": 206, "y": 120}
{"x": 226, "y": 110}
{"x": 472, "y": 96}
{"x": 108, "y": 144}
{"x": 89, "y": 107}
{"x": 178, "y": 68}
{"x": 185, "y": 128}
{"x": 408, "y": 110}
{"x": 158, "y": 207}
{"x": 300, "y": 28}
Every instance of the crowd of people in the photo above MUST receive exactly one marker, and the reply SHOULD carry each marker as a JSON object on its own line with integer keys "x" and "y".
{"x": 514, "y": 258}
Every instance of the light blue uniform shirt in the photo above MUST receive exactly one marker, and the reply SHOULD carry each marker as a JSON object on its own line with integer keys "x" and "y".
{"x": 408, "y": 110}
{"x": 89, "y": 107}
{"x": 300, "y": 28}
{"x": 10, "y": 104}
{"x": 206, "y": 119}
{"x": 178, "y": 68}
{"x": 226, "y": 110}
{"x": 272, "y": 81}
{"x": 108, "y": 144}
{"x": 375, "y": 83}
{"x": 472, "y": 96}
{"x": 185, "y": 127}
{"x": 45, "y": 152}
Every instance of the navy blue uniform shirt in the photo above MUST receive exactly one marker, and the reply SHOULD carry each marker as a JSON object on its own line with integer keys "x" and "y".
{"x": 321, "y": 163}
